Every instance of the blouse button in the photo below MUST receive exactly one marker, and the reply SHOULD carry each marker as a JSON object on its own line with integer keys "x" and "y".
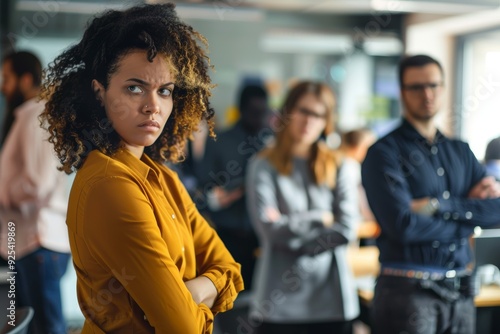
{"x": 173, "y": 216}
{"x": 446, "y": 194}
{"x": 440, "y": 171}
{"x": 452, "y": 247}
{"x": 446, "y": 215}
{"x": 435, "y": 244}
{"x": 434, "y": 150}
{"x": 468, "y": 215}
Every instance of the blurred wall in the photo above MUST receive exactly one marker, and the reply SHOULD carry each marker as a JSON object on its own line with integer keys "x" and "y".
{"x": 438, "y": 36}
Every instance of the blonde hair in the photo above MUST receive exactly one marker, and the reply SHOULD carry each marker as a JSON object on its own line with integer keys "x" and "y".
{"x": 323, "y": 162}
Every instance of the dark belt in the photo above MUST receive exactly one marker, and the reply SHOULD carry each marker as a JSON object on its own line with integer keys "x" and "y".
{"x": 424, "y": 274}
{"x": 450, "y": 285}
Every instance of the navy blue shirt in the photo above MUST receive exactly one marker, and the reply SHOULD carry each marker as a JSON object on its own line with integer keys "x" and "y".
{"x": 404, "y": 166}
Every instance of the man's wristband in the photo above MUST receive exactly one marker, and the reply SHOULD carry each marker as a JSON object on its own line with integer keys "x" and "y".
{"x": 433, "y": 206}
{"x": 430, "y": 208}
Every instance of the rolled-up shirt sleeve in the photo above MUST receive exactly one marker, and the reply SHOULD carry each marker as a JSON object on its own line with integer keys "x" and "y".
{"x": 213, "y": 260}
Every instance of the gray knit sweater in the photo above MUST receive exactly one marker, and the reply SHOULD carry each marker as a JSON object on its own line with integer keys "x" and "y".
{"x": 302, "y": 275}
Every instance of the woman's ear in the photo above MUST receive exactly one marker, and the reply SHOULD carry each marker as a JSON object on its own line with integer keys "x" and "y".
{"x": 98, "y": 89}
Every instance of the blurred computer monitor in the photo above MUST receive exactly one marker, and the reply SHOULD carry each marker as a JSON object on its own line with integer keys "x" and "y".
{"x": 487, "y": 247}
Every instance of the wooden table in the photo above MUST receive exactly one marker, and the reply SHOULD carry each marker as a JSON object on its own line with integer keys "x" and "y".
{"x": 363, "y": 260}
{"x": 368, "y": 229}
{"x": 489, "y": 296}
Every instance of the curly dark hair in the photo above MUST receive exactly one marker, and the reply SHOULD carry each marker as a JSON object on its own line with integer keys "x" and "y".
{"x": 76, "y": 120}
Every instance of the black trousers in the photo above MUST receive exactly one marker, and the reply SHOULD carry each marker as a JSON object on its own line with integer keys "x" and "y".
{"x": 337, "y": 327}
{"x": 403, "y": 305}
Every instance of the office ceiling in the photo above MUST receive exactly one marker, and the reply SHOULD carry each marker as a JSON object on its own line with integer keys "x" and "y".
{"x": 308, "y": 6}
{"x": 353, "y": 6}
{"x": 317, "y": 22}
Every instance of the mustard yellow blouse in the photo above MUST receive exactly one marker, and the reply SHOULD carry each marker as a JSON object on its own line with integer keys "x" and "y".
{"x": 136, "y": 236}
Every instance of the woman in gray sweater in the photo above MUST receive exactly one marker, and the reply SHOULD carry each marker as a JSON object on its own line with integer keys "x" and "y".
{"x": 303, "y": 205}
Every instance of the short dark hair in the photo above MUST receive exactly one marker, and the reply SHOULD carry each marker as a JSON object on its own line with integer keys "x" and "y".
{"x": 77, "y": 122}
{"x": 415, "y": 61}
{"x": 493, "y": 150}
{"x": 24, "y": 62}
{"x": 248, "y": 93}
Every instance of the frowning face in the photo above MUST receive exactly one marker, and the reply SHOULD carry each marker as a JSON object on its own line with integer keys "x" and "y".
{"x": 138, "y": 99}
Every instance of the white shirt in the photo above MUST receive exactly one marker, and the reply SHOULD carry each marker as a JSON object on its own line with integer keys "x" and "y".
{"x": 33, "y": 193}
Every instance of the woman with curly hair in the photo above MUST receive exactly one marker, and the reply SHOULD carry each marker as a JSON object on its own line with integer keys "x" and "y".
{"x": 146, "y": 260}
{"x": 303, "y": 204}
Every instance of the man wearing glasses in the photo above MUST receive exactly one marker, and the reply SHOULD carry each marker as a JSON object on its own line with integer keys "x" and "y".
{"x": 427, "y": 192}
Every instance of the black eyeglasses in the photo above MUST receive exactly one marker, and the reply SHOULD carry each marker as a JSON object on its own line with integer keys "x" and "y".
{"x": 419, "y": 88}
{"x": 306, "y": 113}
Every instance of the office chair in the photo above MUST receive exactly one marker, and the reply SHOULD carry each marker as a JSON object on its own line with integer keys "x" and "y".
{"x": 23, "y": 319}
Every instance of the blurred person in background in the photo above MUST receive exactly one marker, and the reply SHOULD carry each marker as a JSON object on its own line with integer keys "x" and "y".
{"x": 303, "y": 203}
{"x": 427, "y": 192}
{"x": 222, "y": 176}
{"x": 121, "y": 103}
{"x": 354, "y": 145}
{"x": 33, "y": 196}
{"x": 492, "y": 158}
{"x": 188, "y": 166}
